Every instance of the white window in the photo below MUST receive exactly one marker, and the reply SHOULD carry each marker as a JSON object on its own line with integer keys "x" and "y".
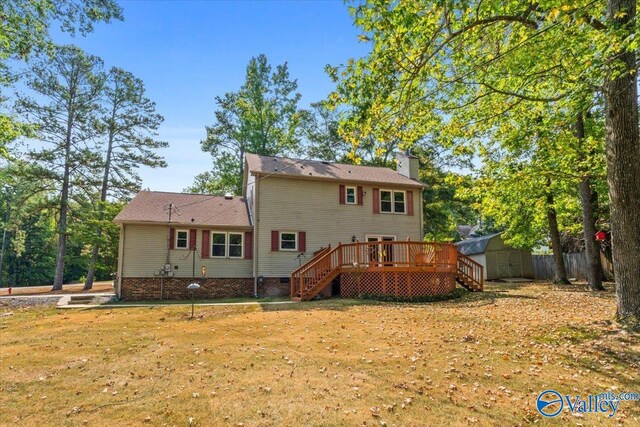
{"x": 218, "y": 244}
{"x": 227, "y": 245}
{"x": 398, "y": 202}
{"x": 351, "y": 194}
{"x": 235, "y": 245}
{"x": 288, "y": 241}
{"x": 392, "y": 201}
{"x": 182, "y": 239}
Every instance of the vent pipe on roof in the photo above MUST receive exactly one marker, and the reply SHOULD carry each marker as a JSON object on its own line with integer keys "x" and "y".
{"x": 228, "y": 196}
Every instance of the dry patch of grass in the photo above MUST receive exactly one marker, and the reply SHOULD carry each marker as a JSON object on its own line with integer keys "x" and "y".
{"x": 479, "y": 360}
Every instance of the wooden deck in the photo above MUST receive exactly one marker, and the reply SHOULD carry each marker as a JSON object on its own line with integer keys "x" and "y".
{"x": 401, "y": 269}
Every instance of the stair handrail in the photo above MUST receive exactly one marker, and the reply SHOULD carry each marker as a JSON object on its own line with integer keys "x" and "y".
{"x": 298, "y": 274}
{"x": 476, "y": 273}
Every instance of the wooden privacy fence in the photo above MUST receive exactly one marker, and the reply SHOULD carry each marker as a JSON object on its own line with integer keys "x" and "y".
{"x": 575, "y": 263}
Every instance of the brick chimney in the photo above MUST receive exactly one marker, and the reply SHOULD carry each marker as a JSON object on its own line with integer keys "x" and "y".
{"x": 407, "y": 165}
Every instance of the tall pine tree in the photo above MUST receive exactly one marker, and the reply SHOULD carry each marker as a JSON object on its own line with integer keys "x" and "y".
{"x": 65, "y": 111}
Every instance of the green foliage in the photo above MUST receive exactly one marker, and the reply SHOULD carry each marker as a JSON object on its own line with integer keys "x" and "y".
{"x": 262, "y": 118}
{"x": 128, "y": 125}
{"x": 503, "y": 81}
{"x": 24, "y": 31}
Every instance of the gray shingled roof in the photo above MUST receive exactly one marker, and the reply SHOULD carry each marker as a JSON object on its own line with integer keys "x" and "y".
{"x": 206, "y": 210}
{"x": 477, "y": 245}
{"x": 315, "y": 169}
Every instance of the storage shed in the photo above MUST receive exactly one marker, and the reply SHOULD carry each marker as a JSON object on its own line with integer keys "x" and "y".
{"x": 498, "y": 259}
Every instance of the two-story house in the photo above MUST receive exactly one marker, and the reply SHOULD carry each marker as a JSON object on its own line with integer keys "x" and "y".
{"x": 249, "y": 245}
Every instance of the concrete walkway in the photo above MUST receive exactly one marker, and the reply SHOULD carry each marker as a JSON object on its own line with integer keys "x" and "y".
{"x": 18, "y": 296}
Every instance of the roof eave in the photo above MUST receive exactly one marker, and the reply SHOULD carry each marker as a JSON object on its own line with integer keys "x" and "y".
{"x": 322, "y": 178}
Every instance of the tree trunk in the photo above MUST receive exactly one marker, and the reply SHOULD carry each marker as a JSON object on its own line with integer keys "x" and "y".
{"x": 91, "y": 271}
{"x": 62, "y": 226}
{"x": 623, "y": 167}
{"x": 58, "y": 279}
{"x": 554, "y": 233}
{"x": 594, "y": 267}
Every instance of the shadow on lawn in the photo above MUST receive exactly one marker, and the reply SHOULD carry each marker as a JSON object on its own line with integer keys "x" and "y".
{"x": 339, "y": 304}
{"x": 606, "y": 351}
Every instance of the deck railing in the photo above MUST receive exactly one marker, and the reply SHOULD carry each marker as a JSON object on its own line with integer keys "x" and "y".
{"x": 470, "y": 272}
{"x": 374, "y": 256}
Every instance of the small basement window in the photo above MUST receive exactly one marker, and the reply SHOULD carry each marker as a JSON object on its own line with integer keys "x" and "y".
{"x": 182, "y": 239}
{"x": 288, "y": 241}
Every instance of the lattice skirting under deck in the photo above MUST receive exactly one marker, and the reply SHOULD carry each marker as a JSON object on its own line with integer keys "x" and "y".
{"x": 396, "y": 283}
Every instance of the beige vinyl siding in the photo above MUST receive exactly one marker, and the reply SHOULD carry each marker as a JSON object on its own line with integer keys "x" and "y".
{"x": 145, "y": 252}
{"x": 313, "y": 207}
{"x": 482, "y": 260}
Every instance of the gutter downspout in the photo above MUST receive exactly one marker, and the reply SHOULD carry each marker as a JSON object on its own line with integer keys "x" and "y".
{"x": 255, "y": 237}
{"x": 121, "y": 261}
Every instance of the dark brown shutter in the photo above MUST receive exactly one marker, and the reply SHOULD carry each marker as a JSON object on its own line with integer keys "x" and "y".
{"x": 360, "y": 195}
{"x": 409, "y": 202}
{"x": 376, "y": 200}
{"x": 192, "y": 239}
{"x": 172, "y": 238}
{"x": 342, "y": 196}
{"x": 302, "y": 241}
{"x": 248, "y": 244}
{"x": 205, "y": 244}
{"x": 275, "y": 240}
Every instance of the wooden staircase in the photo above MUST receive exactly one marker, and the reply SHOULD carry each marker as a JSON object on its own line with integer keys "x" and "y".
{"x": 312, "y": 277}
{"x": 328, "y": 263}
{"x": 470, "y": 274}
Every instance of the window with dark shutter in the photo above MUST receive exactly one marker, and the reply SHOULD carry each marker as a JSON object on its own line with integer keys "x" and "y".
{"x": 192, "y": 239}
{"x": 360, "y": 195}
{"x": 275, "y": 241}
{"x": 302, "y": 241}
{"x": 205, "y": 244}
{"x": 248, "y": 244}
{"x": 376, "y": 200}
{"x": 172, "y": 238}
{"x": 342, "y": 194}
{"x": 409, "y": 202}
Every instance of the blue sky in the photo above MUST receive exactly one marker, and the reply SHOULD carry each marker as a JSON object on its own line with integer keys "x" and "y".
{"x": 188, "y": 52}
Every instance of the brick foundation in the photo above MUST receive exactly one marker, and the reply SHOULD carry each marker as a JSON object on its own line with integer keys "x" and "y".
{"x": 148, "y": 288}
{"x": 271, "y": 287}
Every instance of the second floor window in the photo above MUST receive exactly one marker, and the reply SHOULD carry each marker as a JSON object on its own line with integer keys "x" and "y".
{"x": 392, "y": 201}
{"x": 351, "y": 198}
